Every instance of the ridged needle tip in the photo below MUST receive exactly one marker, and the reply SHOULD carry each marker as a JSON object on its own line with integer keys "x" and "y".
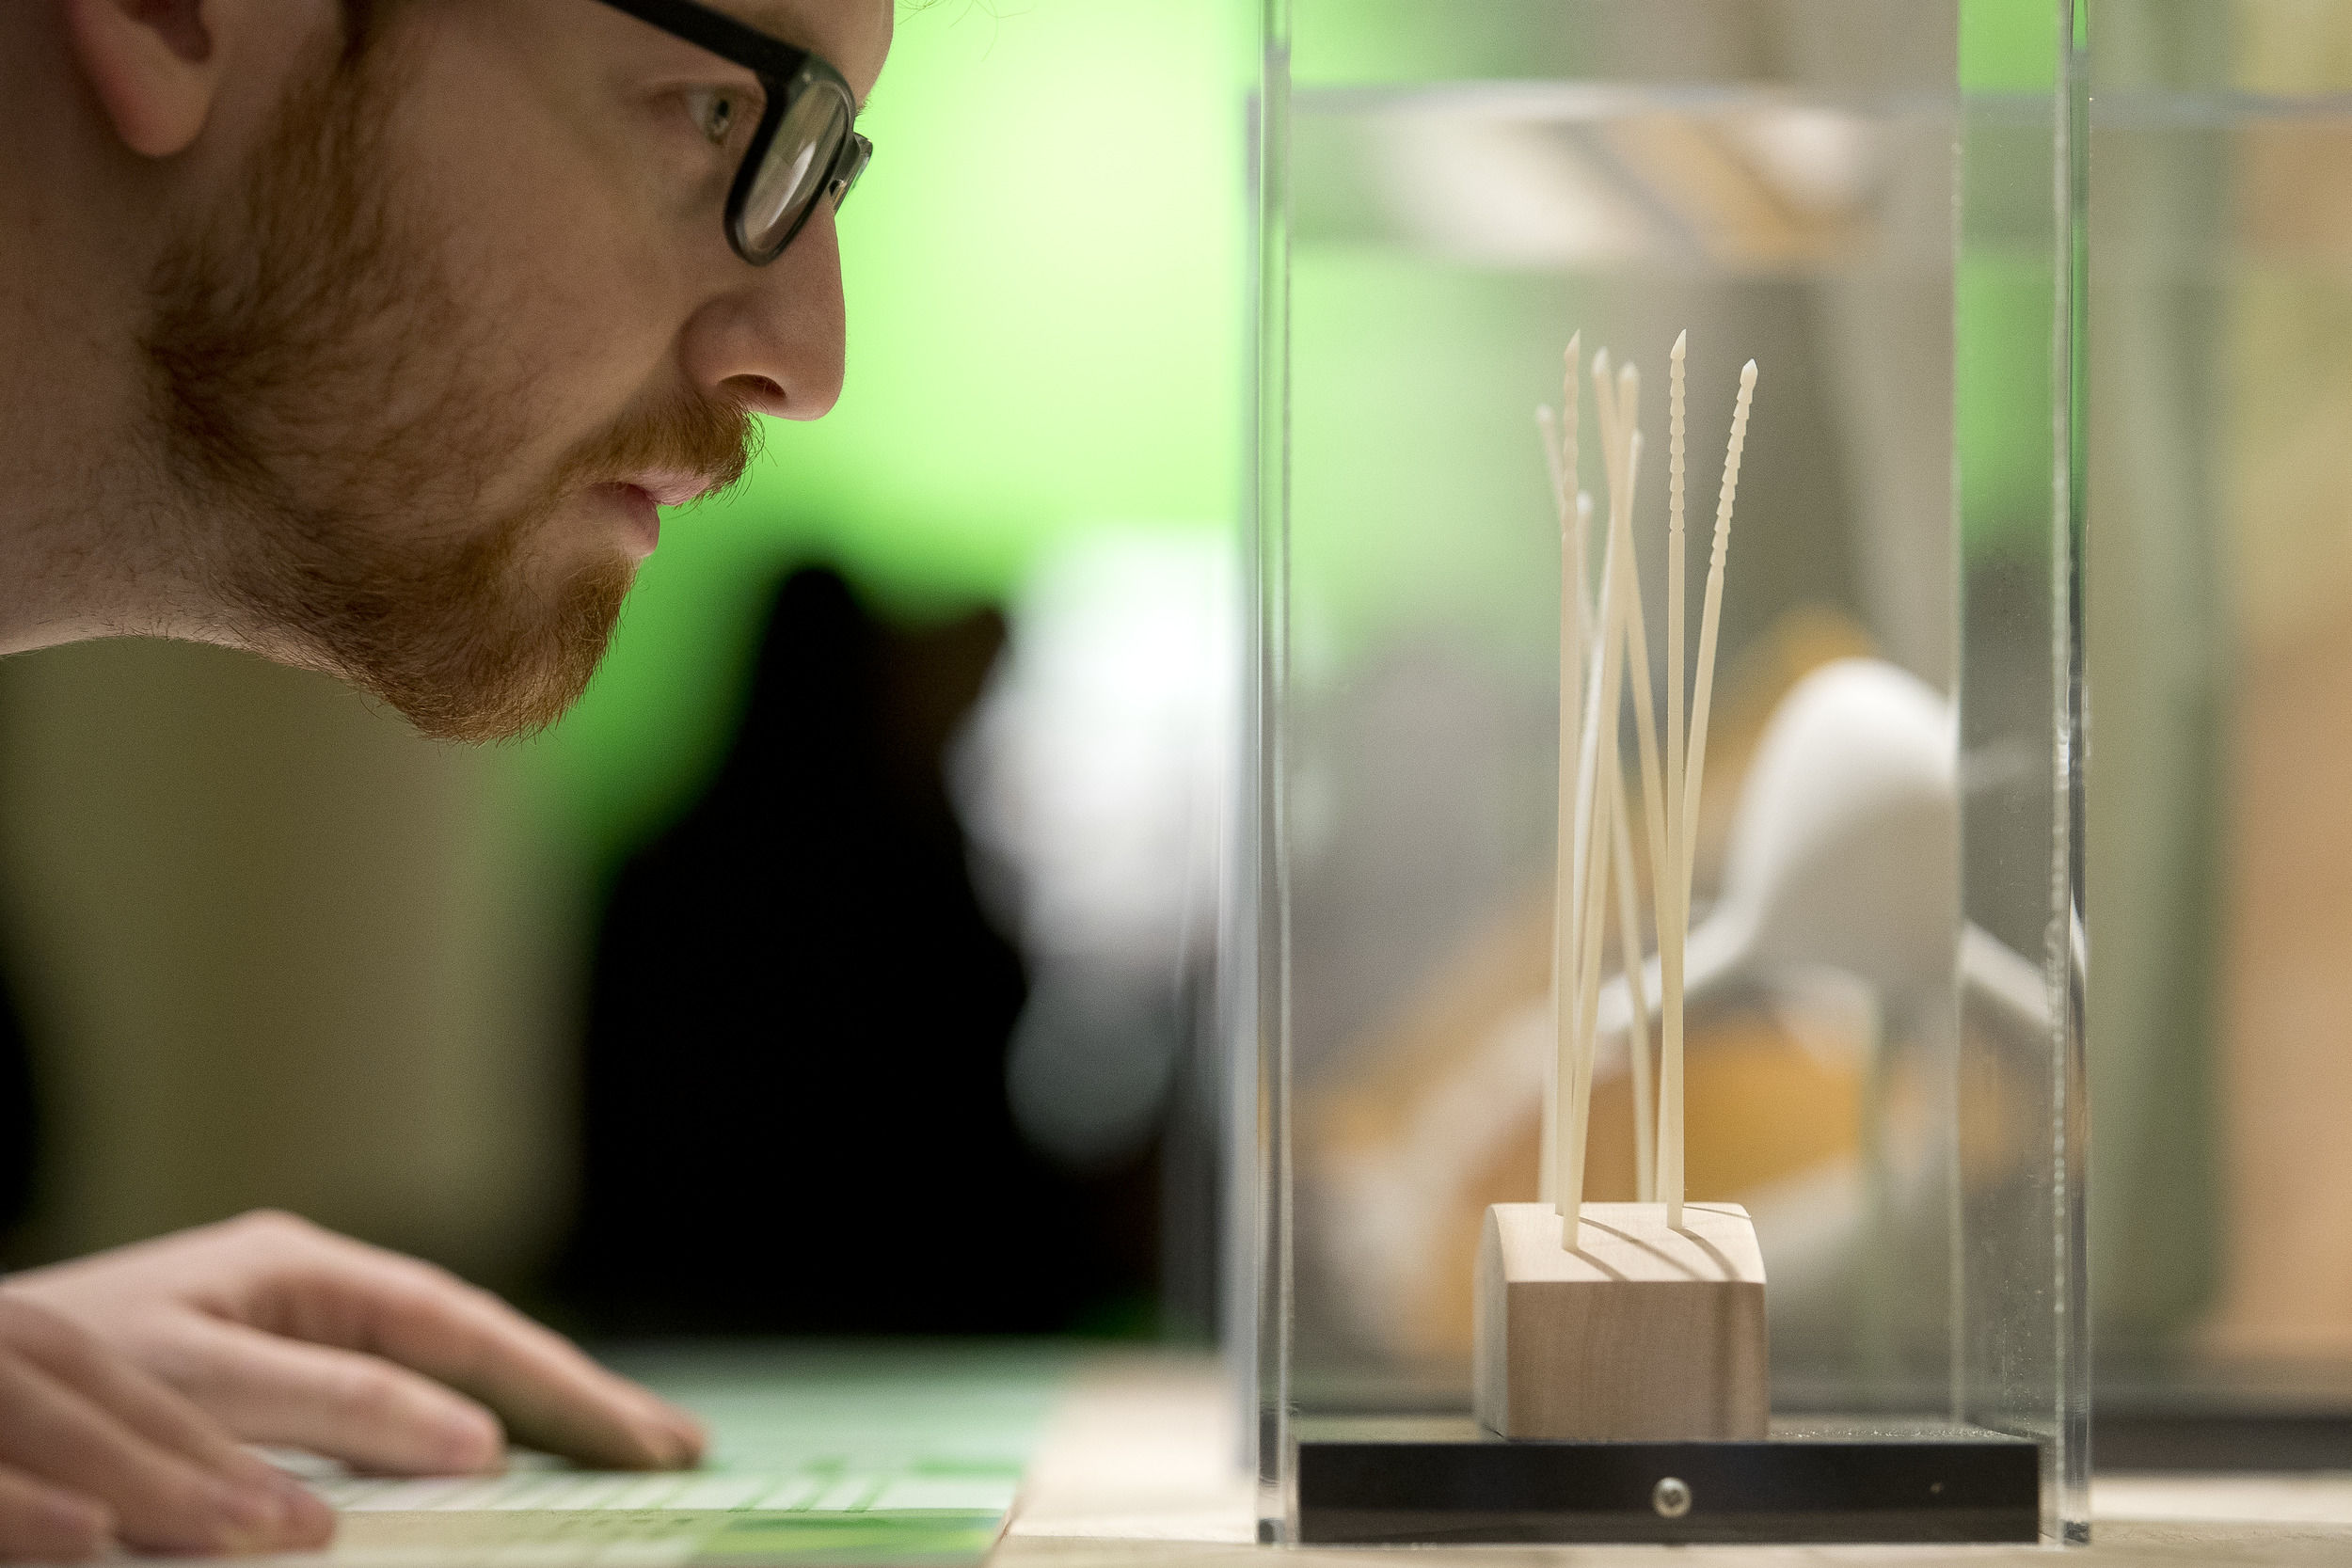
{"x": 1747, "y": 373}
{"x": 1682, "y": 341}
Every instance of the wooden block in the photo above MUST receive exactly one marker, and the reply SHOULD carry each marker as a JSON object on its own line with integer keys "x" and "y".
{"x": 1642, "y": 1333}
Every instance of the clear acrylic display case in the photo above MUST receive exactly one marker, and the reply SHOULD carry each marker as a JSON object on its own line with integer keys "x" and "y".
{"x": 1881, "y": 203}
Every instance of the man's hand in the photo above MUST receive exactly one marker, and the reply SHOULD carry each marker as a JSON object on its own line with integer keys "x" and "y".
{"x": 94, "y": 1452}
{"x": 288, "y": 1334}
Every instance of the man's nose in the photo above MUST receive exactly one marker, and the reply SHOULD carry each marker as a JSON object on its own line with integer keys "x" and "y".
{"x": 772, "y": 340}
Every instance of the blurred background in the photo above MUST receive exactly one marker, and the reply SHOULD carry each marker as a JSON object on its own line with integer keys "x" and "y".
{"x": 879, "y": 870}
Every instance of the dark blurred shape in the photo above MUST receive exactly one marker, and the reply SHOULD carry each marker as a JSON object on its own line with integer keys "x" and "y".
{"x": 796, "y": 1118}
{"x": 20, "y": 1116}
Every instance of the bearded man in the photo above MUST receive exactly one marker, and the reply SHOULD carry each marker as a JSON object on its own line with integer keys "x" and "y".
{"x": 369, "y": 337}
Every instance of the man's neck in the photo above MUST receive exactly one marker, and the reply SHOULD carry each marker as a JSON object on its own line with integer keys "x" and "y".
{"x": 84, "y": 506}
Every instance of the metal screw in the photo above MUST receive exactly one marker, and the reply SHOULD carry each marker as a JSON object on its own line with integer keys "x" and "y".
{"x": 1671, "y": 1496}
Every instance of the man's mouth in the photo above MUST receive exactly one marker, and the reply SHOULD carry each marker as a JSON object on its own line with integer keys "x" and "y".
{"x": 643, "y": 515}
{"x": 672, "y": 487}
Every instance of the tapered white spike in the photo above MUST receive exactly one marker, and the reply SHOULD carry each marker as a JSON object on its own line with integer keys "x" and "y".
{"x": 1637, "y": 1026}
{"x": 1571, "y": 434}
{"x": 1620, "y": 589}
{"x": 1560, "y": 461}
{"x": 1596, "y": 762}
{"x": 1619, "y": 406}
{"x": 1670, "y": 1150}
{"x": 1673, "y": 905}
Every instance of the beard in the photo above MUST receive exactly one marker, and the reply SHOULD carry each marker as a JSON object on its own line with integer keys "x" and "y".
{"x": 337, "y": 409}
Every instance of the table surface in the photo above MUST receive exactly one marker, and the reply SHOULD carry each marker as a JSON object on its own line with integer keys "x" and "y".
{"x": 1137, "y": 1470}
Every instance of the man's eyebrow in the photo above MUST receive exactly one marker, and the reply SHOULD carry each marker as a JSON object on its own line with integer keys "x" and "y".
{"x": 778, "y": 22}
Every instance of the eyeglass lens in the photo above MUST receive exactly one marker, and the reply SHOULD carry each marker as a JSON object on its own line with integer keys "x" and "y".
{"x": 799, "y": 159}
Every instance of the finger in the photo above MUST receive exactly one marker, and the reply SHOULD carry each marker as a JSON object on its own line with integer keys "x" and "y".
{"x": 143, "y": 1402}
{"x": 550, "y": 1394}
{"x": 351, "y": 1406}
{"x": 158, "y": 1499}
{"x": 49, "y": 1524}
{"x": 163, "y": 1415}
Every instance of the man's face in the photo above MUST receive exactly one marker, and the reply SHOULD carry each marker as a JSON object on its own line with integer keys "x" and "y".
{"x": 470, "y": 316}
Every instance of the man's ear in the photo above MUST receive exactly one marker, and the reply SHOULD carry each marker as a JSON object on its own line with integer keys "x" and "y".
{"x": 155, "y": 65}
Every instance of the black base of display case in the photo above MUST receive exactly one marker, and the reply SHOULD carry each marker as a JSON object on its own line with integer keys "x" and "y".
{"x": 1424, "y": 1481}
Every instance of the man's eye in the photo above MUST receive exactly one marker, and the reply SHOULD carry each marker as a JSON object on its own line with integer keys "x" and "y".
{"x": 715, "y": 111}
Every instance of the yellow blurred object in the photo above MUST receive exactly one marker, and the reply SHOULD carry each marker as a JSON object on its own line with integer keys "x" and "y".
{"x": 1796, "y": 645}
{"x": 1400, "y": 1165}
{"x": 1762, "y": 1107}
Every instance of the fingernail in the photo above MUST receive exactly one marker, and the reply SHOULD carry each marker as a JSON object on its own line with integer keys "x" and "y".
{"x": 681, "y": 1436}
{"x": 72, "y": 1528}
{"x": 674, "y": 1439}
{"x": 255, "y": 1515}
{"x": 468, "y": 1445}
{"x": 308, "y": 1521}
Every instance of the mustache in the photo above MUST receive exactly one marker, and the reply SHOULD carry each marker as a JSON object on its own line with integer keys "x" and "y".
{"x": 716, "y": 442}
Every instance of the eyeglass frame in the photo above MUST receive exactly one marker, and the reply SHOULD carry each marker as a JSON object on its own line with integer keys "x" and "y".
{"x": 785, "y": 74}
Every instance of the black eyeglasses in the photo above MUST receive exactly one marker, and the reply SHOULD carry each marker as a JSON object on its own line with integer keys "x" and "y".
{"x": 804, "y": 146}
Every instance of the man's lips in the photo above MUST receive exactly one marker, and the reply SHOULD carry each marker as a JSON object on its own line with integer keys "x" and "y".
{"x": 645, "y": 517}
{"x": 642, "y": 495}
{"x": 671, "y": 489}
